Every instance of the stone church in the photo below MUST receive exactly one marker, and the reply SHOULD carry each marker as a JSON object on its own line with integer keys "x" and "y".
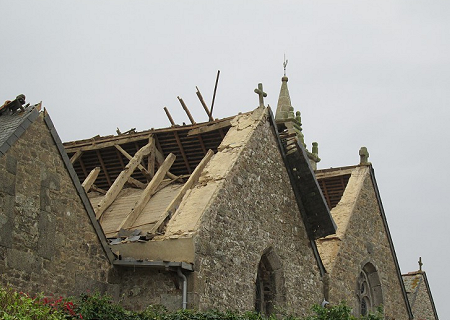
{"x": 227, "y": 214}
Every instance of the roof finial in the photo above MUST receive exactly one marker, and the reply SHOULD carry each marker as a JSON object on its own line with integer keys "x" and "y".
{"x": 420, "y": 264}
{"x": 285, "y": 64}
{"x": 261, "y": 94}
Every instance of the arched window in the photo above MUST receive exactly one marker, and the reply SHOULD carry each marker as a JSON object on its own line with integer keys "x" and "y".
{"x": 368, "y": 290}
{"x": 269, "y": 283}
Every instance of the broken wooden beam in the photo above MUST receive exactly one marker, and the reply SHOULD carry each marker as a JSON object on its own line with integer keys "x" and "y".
{"x": 200, "y": 97}
{"x": 118, "y": 184}
{"x": 89, "y": 181}
{"x": 169, "y": 116}
{"x": 147, "y": 193}
{"x": 186, "y": 110}
{"x": 188, "y": 185}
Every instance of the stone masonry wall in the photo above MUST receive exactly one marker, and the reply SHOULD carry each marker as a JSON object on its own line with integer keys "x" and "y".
{"x": 137, "y": 288}
{"x": 422, "y": 307}
{"x": 47, "y": 243}
{"x": 365, "y": 241}
{"x": 253, "y": 211}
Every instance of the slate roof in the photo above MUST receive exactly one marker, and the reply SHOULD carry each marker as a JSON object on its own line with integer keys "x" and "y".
{"x": 13, "y": 126}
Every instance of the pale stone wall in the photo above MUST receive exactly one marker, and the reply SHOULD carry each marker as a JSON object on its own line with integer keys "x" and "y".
{"x": 47, "y": 243}
{"x": 365, "y": 240}
{"x": 421, "y": 306}
{"x": 254, "y": 209}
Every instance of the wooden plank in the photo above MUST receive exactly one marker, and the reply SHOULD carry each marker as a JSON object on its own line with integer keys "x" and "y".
{"x": 121, "y": 180}
{"x": 212, "y": 127}
{"x": 89, "y": 181}
{"x": 129, "y": 157}
{"x": 188, "y": 185}
{"x": 76, "y": 156}
{"x": 148, "y": 192}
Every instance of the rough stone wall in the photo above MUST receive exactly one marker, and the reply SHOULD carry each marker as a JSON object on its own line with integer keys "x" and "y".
{"x": 137, "y": 288}
{"x": 365, "y": 241}
{"x": 47, "y": 243}
{"x": 254, "y": 210}
{"x": 422, "y": 308}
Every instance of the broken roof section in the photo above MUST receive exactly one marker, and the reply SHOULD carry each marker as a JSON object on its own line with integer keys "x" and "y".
{"x": 152, "y": 186}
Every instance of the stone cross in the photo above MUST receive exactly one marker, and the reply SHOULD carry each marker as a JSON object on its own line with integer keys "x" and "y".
{"x": 364, "y": 156}
{"x": 420, "y": 264}
{"x": 261, "y": 94}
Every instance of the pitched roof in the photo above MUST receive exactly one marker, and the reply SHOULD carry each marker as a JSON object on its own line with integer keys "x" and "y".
{"x": 12, "y": 126}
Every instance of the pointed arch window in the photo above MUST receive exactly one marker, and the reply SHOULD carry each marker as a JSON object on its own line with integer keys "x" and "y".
{"x": 269, "y": 285}
{"x": 368, "y": 292}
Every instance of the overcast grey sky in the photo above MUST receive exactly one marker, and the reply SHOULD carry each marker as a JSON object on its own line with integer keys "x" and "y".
{"x": 363, "y": 73}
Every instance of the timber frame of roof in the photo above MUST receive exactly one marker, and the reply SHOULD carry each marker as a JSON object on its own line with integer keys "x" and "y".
{"x": 189, "y": 143}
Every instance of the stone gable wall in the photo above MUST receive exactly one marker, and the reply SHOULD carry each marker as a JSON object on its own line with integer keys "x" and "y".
{"x": 253, "y": 211}
{"x": 365, "y": 241}
{"x": 47, "y": 243}
{"x": 422, "y": 308}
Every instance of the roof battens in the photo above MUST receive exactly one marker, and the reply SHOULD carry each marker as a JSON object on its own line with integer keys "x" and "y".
{"x": 118, "y": 184}
{"x": 148, "y": 192}
{"x": 193, "y": 178}
{"x": 89, "y": 181}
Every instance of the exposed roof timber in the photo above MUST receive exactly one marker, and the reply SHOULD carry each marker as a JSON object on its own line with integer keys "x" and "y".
{"x": 102, "y": 163}
{"x": 76, "y": 156}
{"x": 209, "y": 128}
{"x": 127, "y": 155}
{"x": 108, "y": 141}
{"x": 193, "y": 178}
{"x": 121, "y": 180}
{"x": 147, "y": 194}
{"x": 89, "y": 181}
{"x": 194, "y": 148}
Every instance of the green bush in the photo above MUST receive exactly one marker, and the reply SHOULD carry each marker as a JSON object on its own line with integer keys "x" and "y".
{"x": 14, "y": 305}
{"x": 18, "y": 305}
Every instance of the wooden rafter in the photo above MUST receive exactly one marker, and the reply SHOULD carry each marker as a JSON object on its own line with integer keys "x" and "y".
{"x": 160, "y": 159}
{"x": 83, "y": 167}
{"x": 188, "y": 185}
{"x": 147, "y": 193}
{"x": 129, "y": 157}
{"x": 118, "y": 184}
{"x": 183, "y": 154}
{"x": 136, "y": 183}
{"x": 105, "y": 171}
{"x": 76, "y": 156}
{"x": 89, "y": 181}
{"x": 151, "y": 161}
{"x": 119, "y": 156}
